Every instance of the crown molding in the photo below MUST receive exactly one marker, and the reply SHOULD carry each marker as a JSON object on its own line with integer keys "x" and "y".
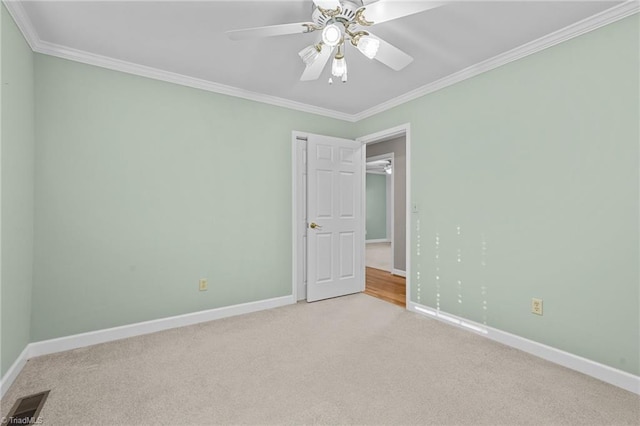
{"x": 17, "y": 11}
{"x": 591, "y": 23}
{"x": 23, "y": 22}
{"x": 183, "y": 80}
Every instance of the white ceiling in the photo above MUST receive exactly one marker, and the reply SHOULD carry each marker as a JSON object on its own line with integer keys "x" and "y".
{"x": 188, "y": 38}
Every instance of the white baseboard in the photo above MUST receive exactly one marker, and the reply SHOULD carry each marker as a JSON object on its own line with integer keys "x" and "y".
{"x": 607, "y": 374}
{"x": 100, "y": 336}
{"x": 13, "y": 371}
{"x": 381, "y": 240}
{"x": 110, "y": 334}
{"x": 399, "y": 272}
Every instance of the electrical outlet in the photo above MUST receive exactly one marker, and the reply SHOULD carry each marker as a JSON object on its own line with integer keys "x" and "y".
{"x": 536, "y": 306}
{"x": 203, "y": 284}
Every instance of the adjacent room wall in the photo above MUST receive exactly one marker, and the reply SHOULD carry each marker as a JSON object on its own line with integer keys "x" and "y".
{"x": 530, "y": 173}
{"x": 376, "y": 196}
{"x": 17, "y": 191}
{"x": 398, "y": 147}
{"x": 144, "y": 187}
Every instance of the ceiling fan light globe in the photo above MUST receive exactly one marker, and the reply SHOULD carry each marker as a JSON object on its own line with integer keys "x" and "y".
{"x": 369, "y": 46}
{"x": 339, "y": 67}
{"x": 309, "y": 54}
{"x": 331, "y": 35}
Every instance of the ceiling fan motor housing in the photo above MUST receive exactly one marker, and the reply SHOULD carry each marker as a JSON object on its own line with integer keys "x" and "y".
{"x": 347, "y": 13}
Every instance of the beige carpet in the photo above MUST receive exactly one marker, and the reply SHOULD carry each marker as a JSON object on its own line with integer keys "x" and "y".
{"x": 350, "y": 360}
{"x": 378, "y": 255}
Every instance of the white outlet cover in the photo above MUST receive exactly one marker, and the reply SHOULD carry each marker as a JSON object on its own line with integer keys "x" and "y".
{"x": 536, "y": 306}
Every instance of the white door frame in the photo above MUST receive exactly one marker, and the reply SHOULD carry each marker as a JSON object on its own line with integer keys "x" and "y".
{"x": 403, "y": 129}
{"x": 299, "y": 215}
{"x": 298, "y": 192}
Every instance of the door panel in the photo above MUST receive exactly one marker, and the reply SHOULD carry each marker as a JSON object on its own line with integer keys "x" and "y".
{"x": 324, "y": 194}
{"x": 324, "y": 248}
{"x": 335, "y": 247}
{"x": 347, "y": 250}
{"x": 347, "y": 196}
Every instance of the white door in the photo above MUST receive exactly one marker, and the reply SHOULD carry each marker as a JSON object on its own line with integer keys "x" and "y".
{"x": 335, "y": 234}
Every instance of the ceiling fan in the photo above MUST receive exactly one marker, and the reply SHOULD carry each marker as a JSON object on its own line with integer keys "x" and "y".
{"x": 340, "y": 23}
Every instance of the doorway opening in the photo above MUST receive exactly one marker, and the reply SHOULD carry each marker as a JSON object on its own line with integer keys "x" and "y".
{"x": 379, "y": 194}
{"x": 386, "y": 216}
{"x": 312, "y": 226}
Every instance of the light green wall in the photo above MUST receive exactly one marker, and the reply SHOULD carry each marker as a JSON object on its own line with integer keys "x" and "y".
{"x": 376, "y": 195}
{"x": 144, "y": 187}
{"x": 17, "y": 189}
{"x": 537, "y": 163}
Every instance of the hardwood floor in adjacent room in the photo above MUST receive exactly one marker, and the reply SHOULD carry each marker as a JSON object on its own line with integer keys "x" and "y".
{"x": 385, "y": 286}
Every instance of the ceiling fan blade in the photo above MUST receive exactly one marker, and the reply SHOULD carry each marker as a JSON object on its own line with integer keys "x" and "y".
{"x": 391, "y": 56}
{"x": 327, "y": 4}
{"x": 269, "y": 31}
{"x": 313, "y": 71}
{"x": 386, "y": 10}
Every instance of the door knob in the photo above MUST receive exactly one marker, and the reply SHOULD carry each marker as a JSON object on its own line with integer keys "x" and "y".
{"x": 314, "y": 225}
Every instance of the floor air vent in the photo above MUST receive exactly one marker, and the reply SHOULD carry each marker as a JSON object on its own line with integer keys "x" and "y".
{"x": 26, "y": 409}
